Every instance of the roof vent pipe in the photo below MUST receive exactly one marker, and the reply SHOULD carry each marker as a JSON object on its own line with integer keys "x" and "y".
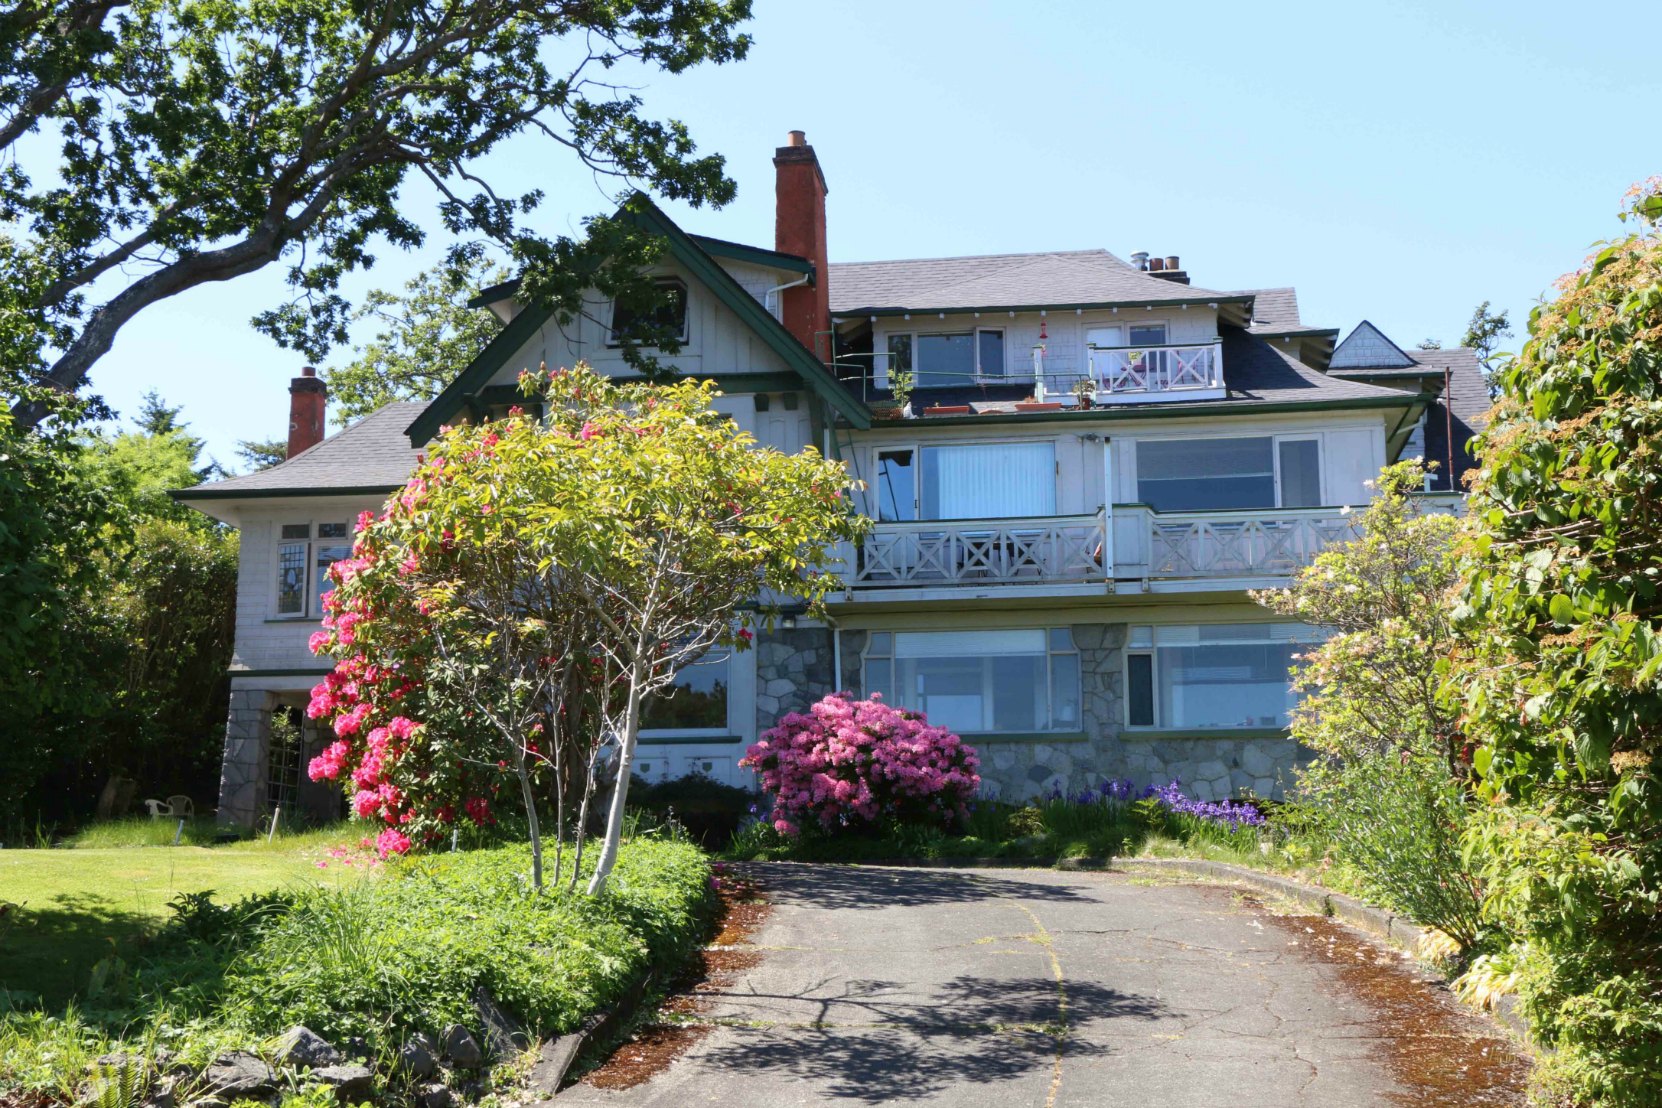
{"x": 1139, "y": 260}
{"x": 1172, "y": 262}
{"x": 1155, "y": 265}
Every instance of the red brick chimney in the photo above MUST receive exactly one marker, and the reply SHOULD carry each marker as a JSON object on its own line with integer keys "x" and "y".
{"x": 799, "y": 228}
{"x": 308, "y": 397}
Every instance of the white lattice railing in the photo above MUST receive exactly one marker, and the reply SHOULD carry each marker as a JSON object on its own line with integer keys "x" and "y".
{"x": 1236, "y": 544}
{"x": 1044, "y": 549}
{"x": 1118, "y": 370}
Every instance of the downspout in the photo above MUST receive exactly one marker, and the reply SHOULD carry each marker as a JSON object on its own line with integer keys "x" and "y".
{"x": 1448, "y": 413}
{"x": 767, "y": 297}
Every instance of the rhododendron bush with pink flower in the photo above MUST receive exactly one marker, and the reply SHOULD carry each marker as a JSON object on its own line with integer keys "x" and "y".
{"x": 500, "y": 624}
{"x": 853, "y": 763}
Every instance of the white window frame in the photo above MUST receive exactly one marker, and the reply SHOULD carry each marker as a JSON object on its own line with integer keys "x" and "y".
{"x": 1321, "y": 468}
{"x": 980, "y": 375}
{"x": 612, "y": 342}
{"x": 312, "y": 609}
{"x": 733, "y": 709}
{"x": 1152, "y": 653}
{"x": 1276, "y": 438}
{"x": 917, "y": 448}
{"x": 1051, "y": 654}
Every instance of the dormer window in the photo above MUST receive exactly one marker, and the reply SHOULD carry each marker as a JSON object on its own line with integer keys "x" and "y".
{"x": 668, "y": 316}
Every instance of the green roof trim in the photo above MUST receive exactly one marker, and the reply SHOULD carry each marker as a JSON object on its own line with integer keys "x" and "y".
{"x": 697, "y": 260}
{"x": 755, "y": 255}
{"x": 719, "y": 248}
{"x": 478, "y": 373}
{"x": 210, "y": 493}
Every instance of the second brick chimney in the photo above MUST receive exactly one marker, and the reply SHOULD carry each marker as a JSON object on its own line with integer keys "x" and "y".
{"x": 799, "y": 228}
{"x": 308, "y": 397}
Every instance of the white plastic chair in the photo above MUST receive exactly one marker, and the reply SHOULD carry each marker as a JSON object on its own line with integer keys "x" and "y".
{"x": 159, "y": 808}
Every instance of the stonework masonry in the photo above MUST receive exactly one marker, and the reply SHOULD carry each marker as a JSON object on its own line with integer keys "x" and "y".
{"x": 793, "y": 669}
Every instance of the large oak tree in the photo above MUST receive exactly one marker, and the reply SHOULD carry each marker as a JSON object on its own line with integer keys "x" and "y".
{"x": 152, "y": 146}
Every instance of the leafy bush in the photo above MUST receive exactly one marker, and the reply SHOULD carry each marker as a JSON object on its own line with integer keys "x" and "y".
{"x": 710, "y": 810}
{"x": 1397, "y": 824}
{"x": 1558, "y": 674}
{"x": 863, "y": 763}
{"x": 385, "y": 958}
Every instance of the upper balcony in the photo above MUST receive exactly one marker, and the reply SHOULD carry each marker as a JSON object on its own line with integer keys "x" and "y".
{"x": 1130, "y": 547}
{"x": 1131, "y": 374}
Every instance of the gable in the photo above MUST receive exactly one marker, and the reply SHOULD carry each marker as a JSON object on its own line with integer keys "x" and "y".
{"x": 731, "y": 338}
{"x": 1367, "y": 348}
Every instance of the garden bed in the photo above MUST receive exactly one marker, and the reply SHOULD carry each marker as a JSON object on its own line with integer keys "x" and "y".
{"x": 430, "y": 951}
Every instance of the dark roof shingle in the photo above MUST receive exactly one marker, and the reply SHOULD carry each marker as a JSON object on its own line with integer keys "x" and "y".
{"x": 373, "y": 453}
{"x": 1001, "y": 281}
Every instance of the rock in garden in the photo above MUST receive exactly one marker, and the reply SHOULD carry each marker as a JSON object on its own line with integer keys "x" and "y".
{"x": 437, "y": 1096}
{"x": 239, "y": 1074}
{"x": 416, "y": 1057}
{"x": 461, "y": 1047}
{"x": 503, "y": 1034}
{"x": 352, "y": 1082}
{"x": 301, "y": 1046}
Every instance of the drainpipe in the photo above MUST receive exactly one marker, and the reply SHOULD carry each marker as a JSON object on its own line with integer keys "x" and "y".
{"x": 1448, "y": 413}
{"x": 767, "y": 297}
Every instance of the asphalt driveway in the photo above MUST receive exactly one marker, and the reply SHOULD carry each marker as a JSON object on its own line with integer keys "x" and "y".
{"x": 1023, "y": 987}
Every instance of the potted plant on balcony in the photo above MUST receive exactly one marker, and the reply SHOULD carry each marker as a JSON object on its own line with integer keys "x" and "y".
{"x": 1034, "y": 404}
{"x": 1084, "y": 391}
{"x": 900, "y": 387}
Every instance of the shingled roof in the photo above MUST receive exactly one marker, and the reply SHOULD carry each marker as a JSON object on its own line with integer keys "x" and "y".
{"x": 1063, "y": 278}
{"x": 372, "y": 455}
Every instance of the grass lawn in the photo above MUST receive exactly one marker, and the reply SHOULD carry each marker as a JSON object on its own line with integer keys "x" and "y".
{"x": 78, "y": 905}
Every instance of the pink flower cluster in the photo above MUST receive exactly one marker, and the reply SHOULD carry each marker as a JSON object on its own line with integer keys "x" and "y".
{"x": 849, "y": 762}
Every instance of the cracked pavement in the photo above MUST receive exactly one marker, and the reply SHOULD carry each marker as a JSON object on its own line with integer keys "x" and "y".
{"x": 1034, "y": 987}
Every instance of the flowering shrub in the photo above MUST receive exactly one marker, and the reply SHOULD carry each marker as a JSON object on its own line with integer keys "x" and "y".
{"x": 854, "y": 762}
{"x": 1234, "y": 814}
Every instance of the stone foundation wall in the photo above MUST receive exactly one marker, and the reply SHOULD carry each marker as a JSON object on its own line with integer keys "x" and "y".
{"x": 793, "y": 669}
{"x": 244, "y": 770}
{"x": 242, "y": 773}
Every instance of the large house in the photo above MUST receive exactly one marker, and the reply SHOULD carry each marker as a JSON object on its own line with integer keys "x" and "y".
{"x": 1098, "y": 460}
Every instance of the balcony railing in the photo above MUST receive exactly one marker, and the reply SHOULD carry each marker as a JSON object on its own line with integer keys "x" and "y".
{"x": 1035, "y": 550}
{"x": 1133, "y": 543}
{"x": 1121, "y": 374}
{"x": 1264, "y": 542}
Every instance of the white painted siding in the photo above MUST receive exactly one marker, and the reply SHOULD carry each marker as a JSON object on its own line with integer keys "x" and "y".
{"x": 265, "y": 641}
{"x": 717, "y": 341}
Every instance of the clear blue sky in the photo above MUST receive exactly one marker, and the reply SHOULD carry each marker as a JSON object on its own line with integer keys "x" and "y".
{"x": 1398, "y": 162}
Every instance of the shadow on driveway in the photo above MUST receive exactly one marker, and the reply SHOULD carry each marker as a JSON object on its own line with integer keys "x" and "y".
{"x": 831, "y": 887}
{"x": 974, "y": 1030}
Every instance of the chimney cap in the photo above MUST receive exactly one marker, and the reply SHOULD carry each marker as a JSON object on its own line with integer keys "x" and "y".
{"x": 309, "y": 371}
{"x": 797, "y": 138}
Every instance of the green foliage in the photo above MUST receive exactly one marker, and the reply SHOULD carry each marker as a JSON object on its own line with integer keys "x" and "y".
{"x": 1390, "y": 794}
{"x": 257, "y": 454}
{"x": 427, "y": 336}
{"x": 199, "y": 140}
{"x": 1040, "y": 832}
{"x": 1370, "y": 690}
{"x": 1483, "y": 334}
{"x": 56, "y": 527}
{"x": 385, "y": 958}
{"x": 139, "y": 467}
{"x": 1558, "y": 676}
{"x": 709, "y": 810}
{"x": 538, "y": 579}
